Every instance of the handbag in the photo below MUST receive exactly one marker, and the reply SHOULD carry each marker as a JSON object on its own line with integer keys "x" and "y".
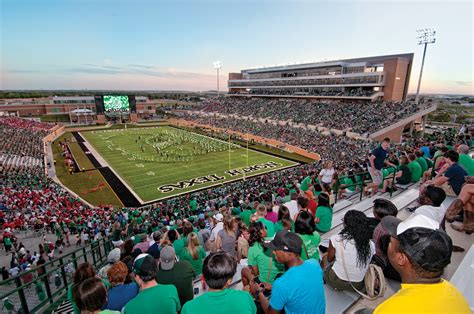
{"x": 374, "y": 280}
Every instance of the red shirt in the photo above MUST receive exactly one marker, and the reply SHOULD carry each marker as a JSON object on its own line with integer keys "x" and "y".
{"x": 312, "y": 205}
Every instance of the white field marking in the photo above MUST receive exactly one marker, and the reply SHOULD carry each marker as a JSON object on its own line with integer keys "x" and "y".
{"x": 187, "y": 169}
{"x": 173, "y": 175}
{"x": 211, "y": 164}
{"x": 218, "y": 183}
{"x": 194, "y": 162}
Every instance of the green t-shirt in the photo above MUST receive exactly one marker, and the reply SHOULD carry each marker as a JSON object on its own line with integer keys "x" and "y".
{"x": 406, "y": 174}
{"x": 349, "y": 183}
{"x": 305, "y": 184}
{"x": 178, "y": 246}
{"x": 467, "y": 163}
{"x": 245, "y": 215}
{"x": 236, "y": 211}
{"x": 278, "y": 226}
{"x": 195, "y": 263}
{"x": 325, "y": 218}
{"x": 7, "y": 241}
{"x": 225, "y": 301}
{"x": 181, "y": 276}
{"x": 269, "y": 226}
{"x": 193, "y": 204}
{"x": 416, "y": 171}
{"x": 257, "y": 257}
{"x": 312, "y": 245}
{"x": 423, "y": 163}
{"x": 137, "y": 239}
{"x": 158, "y": 299}
{"x": 429, "y": 162}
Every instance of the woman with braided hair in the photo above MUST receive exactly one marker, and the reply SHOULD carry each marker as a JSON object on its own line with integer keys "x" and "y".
{"x": 349, "y": 253}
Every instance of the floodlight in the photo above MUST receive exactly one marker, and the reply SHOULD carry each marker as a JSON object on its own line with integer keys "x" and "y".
{"x": 425, "y": 36}
{"x": 217, "y": 65}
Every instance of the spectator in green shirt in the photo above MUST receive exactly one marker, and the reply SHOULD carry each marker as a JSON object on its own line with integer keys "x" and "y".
{"x": 465, "y": 160}
{"x": 284, "y": 220}
{"x": 261, "y": 267}
{"x": 421, "y": 160}
{"x": 323, "y": 218}
{"x": 415, "y": 168}
{"x": 218, "y": 271}
{"x": 153, "y": 297}
{"x": 403, "y": 176}
{"x": 306, "y": 229}
{"x": 260, "y": 216}
{"x": 245, "y": 215}
{"x": 194, "y": 253}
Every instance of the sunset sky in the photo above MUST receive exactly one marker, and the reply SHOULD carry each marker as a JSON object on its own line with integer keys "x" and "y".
{"x": 171, "y": 45}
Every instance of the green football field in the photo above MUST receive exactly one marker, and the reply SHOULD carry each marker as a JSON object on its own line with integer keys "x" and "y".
{"x": 160, "y": 162}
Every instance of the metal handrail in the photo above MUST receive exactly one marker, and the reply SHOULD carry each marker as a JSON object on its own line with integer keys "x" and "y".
{"x": 362, "y": 174}
{"x": 96, "y": 253}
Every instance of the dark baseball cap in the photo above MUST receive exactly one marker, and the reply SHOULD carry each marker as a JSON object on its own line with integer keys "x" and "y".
{"x": 144, "y": 265}
{"x": 285, "y": 241}
{"x": 422, "y": 240}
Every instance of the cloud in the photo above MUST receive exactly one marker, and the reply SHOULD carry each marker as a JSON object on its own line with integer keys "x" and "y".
{"x": 23, "y": 71}
{"x": 463, "y": 83}
{"x": 141, "y": 66}
{"x": 136, "y": 69}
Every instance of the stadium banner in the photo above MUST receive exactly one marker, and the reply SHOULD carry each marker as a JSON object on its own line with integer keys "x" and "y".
{"x": 215, "y": 178}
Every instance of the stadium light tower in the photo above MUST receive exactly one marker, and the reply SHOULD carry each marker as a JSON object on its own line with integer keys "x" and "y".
{"x": 425, "y": 36}
{"x": 217, "y": 66}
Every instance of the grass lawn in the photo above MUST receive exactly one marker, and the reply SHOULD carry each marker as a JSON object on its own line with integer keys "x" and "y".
{"x": 81, "y": 159}
{"x": 194, "y": 161}
{"x": 80, "y": 182}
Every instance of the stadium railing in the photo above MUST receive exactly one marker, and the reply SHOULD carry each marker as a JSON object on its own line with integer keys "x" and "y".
{"x": 363, "y": 181}
{"x": 17, "y": 291}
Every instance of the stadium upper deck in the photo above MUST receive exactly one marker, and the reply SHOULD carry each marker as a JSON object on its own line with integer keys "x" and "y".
{"x": 372, "y": 78}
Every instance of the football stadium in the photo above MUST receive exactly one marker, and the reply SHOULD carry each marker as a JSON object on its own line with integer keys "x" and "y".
{"x": 133, "y": 181}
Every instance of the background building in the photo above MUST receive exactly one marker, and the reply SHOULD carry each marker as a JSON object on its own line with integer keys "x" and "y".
{"x": 372, "y": 78}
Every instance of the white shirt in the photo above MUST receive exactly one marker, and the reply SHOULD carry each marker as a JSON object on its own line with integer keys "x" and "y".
{"x": 433, "y": 212}
{"x": 356, "y": 274}
{"x": 293, "y": 207}
{"x": 218, "y": 227}
{"x": 327, "y": 175}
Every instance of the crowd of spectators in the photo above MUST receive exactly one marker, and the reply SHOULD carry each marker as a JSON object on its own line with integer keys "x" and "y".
{"x": 161, "y": 249}
{"x": 343, "y": 150}
{"x": 358, "y": 117}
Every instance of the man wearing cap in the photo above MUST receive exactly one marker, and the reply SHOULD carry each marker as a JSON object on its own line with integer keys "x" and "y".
{"x": 300, "y": 289}
{"x": 114, "y": 256}
{"x": 218, "y": 226}
{"x": 419, "y": 251}
{"x": 180, "y": 274}
{"x": 153, "y": 297}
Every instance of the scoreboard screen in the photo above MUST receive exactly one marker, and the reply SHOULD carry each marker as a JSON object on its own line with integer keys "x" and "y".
{"x": 112, "y": 103}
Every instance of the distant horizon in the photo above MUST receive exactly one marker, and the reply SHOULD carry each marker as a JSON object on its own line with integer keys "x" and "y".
{"x": 178, "y": 91}
{"x": 171, "y": 46}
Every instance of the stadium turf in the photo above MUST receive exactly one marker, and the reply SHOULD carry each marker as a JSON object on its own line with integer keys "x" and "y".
{"x": 184, "y": 162}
